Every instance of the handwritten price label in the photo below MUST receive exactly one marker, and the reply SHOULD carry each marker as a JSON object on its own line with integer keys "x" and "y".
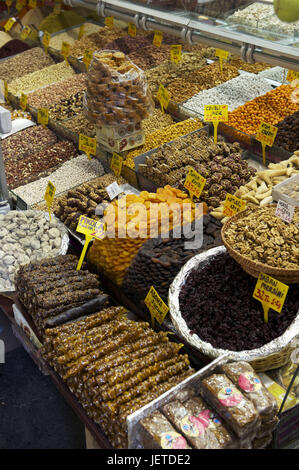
{"x": 158, "y": 309}
{"x": 43, "y": 116}
{"x": 116, "y": 163}
{"x": 25, "y": 33}
{"x": 216, "y": 112}
{"x": 9, "y": 24}
{"x": 87, "y": 145}
{"x": 20, "y": 5}
{"x": 32, "y": 3}
{"x": 163, "y": 96}
{"x": 266, "y": 134}
{"x": 109, "y": 20}
{"x": 50, "y": 193}
{"x": 158, "y": 38}
{"x": 194, "y": 183}
{"x": 285, "y": 211}
{"x": 46, "y": 40}
{"x": 233, "y": 205}
{"x": 176, "y": 53}
{"x": 65, "y": 50}
{"x": 23, "y": 101}
{"x": 132, "y": 30}
{"x": 271, "y": 293}
{"x": 87, "y": 58}
{"x": 91, "y": 229}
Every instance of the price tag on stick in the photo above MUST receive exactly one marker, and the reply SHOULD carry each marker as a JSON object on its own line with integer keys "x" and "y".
{"x": 46, "y": 40}
{"x": 116, "y": 163}
{"x": 163, "y": 96}
{"x": 109, "y": 20}
{"x": 194, "y": 183}
{"x": 271, "y": 293}
{"x": 8, "y": 4}
{"x": 158, "y": 38}
{"x": 81, "y": 31}
{"x": 132, "y": 30}
{"x": 19, "y": 5}
{"x": 266, "y": 135}
{"x": 25, "y": 33}
{"x": 91, "y": 229}
{"x": 32, "y": 3}
{"x": 87, "y": 145}
{"x": 158, "y": 309}
{"x": 5, "y": 90}
{"x": 216, "y": 113}
{"x": 285, "y": 211}
{"x": 9, "y": 24}
{"x": 233, "y": 205}
{"x": 43, "y": 116}
{"x": 49, "y": 196}
{"x": 223, "y": 55}
{"x": 176, "y": 53}
{"x": 87, "y": 58}
{"x": 65, "y": 50}
{"x": 23, "y": 101}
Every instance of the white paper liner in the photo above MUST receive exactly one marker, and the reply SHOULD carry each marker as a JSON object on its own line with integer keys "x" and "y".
{"x": 199, "y": 262}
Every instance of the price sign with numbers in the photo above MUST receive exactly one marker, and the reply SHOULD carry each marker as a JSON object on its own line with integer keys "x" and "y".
{"x": 116, "y": 163}
{"x": 9, "y": 24}
{"x": 81, "y": 31}
{"x": 8, "y": 4}
{"x": 163, "y": 96}
{"x": 132, "y": 30}
{"x": 271, "y": 293}
{"x": 65, "y": 50}
{"x": 43, "y": 116}
{"x": 266, "y": 135}
{"x": 49, "y": 196}
{"x": 46, "y": 40}
{"x": 25, "y": 32}
{"x": 216, "y": 113}
{"x": 285, "y": 211}
{"x": 223, "y": 55}
{"x": 23, "y": 101}
{"x": 109, "y": 20}
{"x": 91, "y": 229}
{"x": 158, "y": 309}
{"x": 20, "y": 5}
{"x": 87, "y": 57}
{"x": 158, "y": 38}
{"x": 176, "y": 53}
{"x": 233, "y": 205}
{"x": 87, "y": 145}
{"x": 194, "y": 183}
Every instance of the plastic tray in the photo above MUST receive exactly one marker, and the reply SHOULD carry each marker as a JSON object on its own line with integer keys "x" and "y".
{"x": 278, "y": 195}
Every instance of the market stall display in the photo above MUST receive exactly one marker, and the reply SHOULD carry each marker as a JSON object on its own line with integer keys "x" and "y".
{"x": 13, "y": 47}
{"x": 95, "y": 41}
{"x": 287, "y": 135}
{"x": 24, "y": 63}
{"x": 71, "y": 35}
{"x": 27, "y": 236}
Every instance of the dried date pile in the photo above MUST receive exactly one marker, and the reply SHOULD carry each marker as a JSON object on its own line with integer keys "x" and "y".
{"x": 114, "y": 366}
{"x": 53, "y": 291}
{"x": 217, "y": 304}
{"x": 159, "y": 260}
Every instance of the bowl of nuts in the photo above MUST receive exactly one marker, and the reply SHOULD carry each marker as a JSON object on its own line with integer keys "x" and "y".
{"x": 260, "y": 241}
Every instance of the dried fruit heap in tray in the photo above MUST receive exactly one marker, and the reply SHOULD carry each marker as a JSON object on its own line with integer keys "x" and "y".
{"x": 123, "y": 366}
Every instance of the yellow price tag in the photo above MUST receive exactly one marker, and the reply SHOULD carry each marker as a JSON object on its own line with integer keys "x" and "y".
{"x": 87, "y": 58}
{"x": 57, "y": 7}
{"x": 9, "y": 24}
{"x": 194, "y": 183}
{"x": 43, "y": 116}
{"x": 271, "y": 293}
{"x": 32, "y": 3}
{"x": 23, "y": 101}
{"x": 132, "y": 30}
{"x": 176, "y": 53}
{"x": 46, "y": 40}
{"x": 216, "y": 113}
{"x": 49, "y": 195}
{"x": 292, "y": 75}
{"x": 109, "y": 20}
{"x": 65, "y": 50}
{"x": 20, "y": 5}
{"x": 266, "y": 135}
{"x": 163, "y": 96}
{"x": 223, "y": 55}
{"x": 91, "y": 229}
{"x": 25, "y": 33}
{"x": 233, "y": 205}
{"x": 5, "y": 90}
{"x": 158, "y": 38}
{"x": 81, "y": 31}
{"x": 8, "y": 4}
{"x": 87, "y": 145}
{"x": 116, "y": 163}
{"x": 158, "y": 309}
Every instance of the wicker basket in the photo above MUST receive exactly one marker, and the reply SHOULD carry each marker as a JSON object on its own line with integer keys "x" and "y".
{"x": 254, "y": 268}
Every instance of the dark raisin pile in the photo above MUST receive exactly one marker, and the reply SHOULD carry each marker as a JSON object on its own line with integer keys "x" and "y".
{"x": 217, "y": 304}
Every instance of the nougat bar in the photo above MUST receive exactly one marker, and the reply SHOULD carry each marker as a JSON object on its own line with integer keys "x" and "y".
{"x": 157, "y": 433}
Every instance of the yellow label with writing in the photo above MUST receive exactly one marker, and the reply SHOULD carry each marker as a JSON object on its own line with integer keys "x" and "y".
{"x": 158, "y": 38}
{"x": 9, "y": 24}
{"x": 65, "y": 50}
{"x": 176, "y": 53}
{"x": 270, "y": 292}
{"x": 87, "y": 144}
{"x": 9, "y": 3}
{"x": 43, "y": 116}
{"x": 194, "y": 183}
{"x": 156, "y": 306}
{"x": 20, "y": 5}
{"x": 116, "y": 163}
{"x": 91, "y": 227}
{"x": 25, "y": 33}
{"x": 109, "y": 20}
{"x": 266, "y": 134}
{"x": 132, "y": 30}
{"x": 233, "y": 205}
{"x": 46, "y": 39}
{"x": 216, "y": 112}
{"x": 81, "y": 31}
{"x": 221, "y": 54}
{"x": 163, "y": 96}
{"x": 5, "y": 89}
{"x": 87, "y": 57}
{"x": 32, "y": 3}
{"x": 292, "y": 75}
{"x": 50, "y": 193}
{"x": 23, "y": 101}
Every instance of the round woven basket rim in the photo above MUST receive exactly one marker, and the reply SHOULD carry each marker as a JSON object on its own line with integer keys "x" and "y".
{"x": 256, "y": 265}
